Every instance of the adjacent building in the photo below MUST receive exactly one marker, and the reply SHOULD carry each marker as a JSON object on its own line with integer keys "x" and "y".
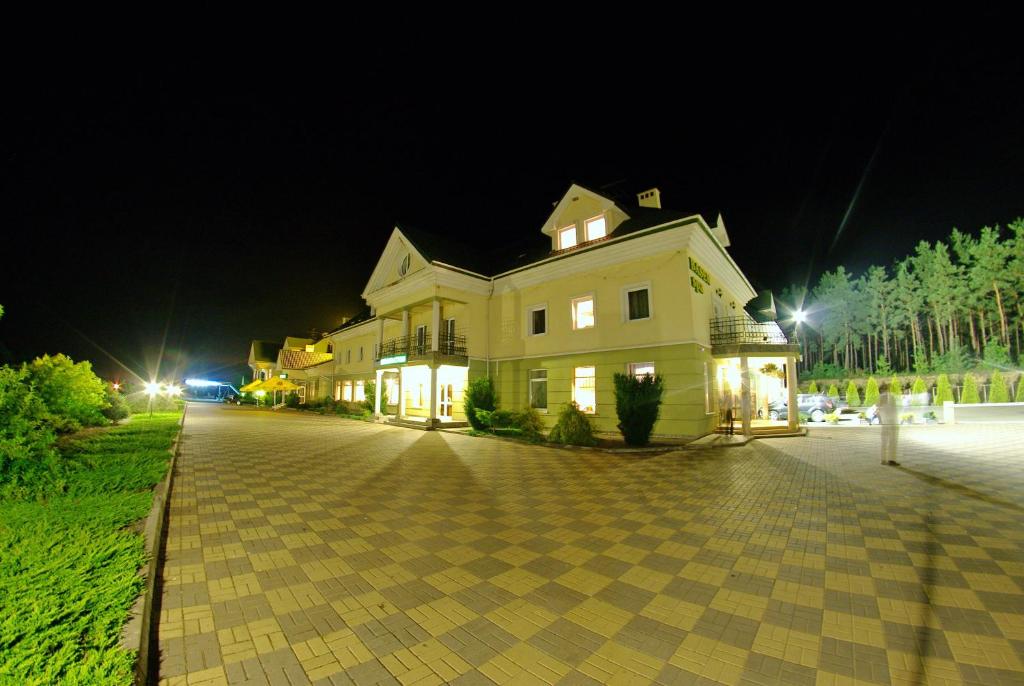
{"x": 613, "y": 287}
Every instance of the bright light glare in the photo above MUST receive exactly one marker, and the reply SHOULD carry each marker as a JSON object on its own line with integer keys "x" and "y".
{"x": 117, "y": 386}
{"x": 261, "y": 393}
{"x": 173, "y": 390}
{"x": 201, "y": 383}
{"x": 799, "y": 316}
{"x": 152, "y": 388}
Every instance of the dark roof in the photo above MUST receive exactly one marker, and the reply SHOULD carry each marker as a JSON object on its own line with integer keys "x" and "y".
{"x": 363, "y": 316}
{"x": 454, "y": 252}
{"x": 265, "y": 351}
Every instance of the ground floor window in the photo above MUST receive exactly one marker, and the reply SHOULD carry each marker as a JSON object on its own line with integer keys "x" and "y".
{"x": 346, "y": 391}
{"x": 707, "y": 387}
{"x": 360, "y": 391}
{"x": 641, "y": 369}
{"x": 584, "y": 388}
{"x": 539, "y": 389}
{"x": 337, "y": 390}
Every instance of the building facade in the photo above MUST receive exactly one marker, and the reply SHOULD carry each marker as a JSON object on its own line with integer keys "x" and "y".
{"x": 614, "y": 287}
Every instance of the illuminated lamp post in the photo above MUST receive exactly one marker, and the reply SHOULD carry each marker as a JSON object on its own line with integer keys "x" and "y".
{"x": 152, "y": 390}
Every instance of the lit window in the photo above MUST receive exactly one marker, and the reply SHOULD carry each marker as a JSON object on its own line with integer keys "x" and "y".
{"x": 346, "y": 391}
{"x": 539, "y": 389}
{"x": 309, "y": 348}
{"x": 583, "y": 312}
{"x": 584, "y": 389}
{"x": 596, "y": 228}
{"x": 707, "y": 387}
{"x": 641, "y": 369}
{"x": 537, "y": 320}
{"x": 391, "y": 390}
{"x": 360, "y": 391}
{"x": 337, "y": 390}
{"x": 566, "y": 237}
{"x": 638, "y": 303}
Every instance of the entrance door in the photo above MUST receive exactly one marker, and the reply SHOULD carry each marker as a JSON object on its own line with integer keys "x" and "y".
{"x": 444, "y": 407}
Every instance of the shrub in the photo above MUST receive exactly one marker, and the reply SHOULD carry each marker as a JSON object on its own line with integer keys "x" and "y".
{"x": 349, "y": 409}
{"x": 812, "y": 388}
{"x": 27, "y": 455}
{"x": 573, "y": 427}
{"x": 117, "y": 407}
{"x": 480, "y": 395}
{"x": 943, "y": 390}
{"x": 371, "y": 395}
{"x": 292, "y": 399}
{"x": 882, "y": 366}
{"x": 907, "y": 418}
{"x": 852, "y": 396}
{"x": 500, "y": 419}
{"x": 996, "y": 355}
{"x": 833, "y": 391}
{"x": 529, "y": 422}
{"x": 997, "y": 392}
{"x": 895, "y": 388}
{"x": 74, "y": 397}
{"x": 637, "y": 402}
{"x": 483, "y": 418}
{"x": 969, "y": 394}
{"x": 919, "y": 391}
{"x": 1019, "y": 396}
{"x": 871, "y": 394}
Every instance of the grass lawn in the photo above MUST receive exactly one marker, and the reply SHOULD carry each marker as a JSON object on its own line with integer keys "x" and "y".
{"x": 68, "y": 565}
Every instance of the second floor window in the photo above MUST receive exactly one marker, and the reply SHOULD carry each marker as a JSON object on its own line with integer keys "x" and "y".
{"x": 583, "y": 312}
{"x": 538, "y": 321}
{"x": 566, "y": 237}
{"x": 596, "y": 228}
{"x": 638, "y": 303}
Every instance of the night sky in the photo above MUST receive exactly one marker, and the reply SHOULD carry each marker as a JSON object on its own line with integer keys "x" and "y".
{"x": 194, "y": 204}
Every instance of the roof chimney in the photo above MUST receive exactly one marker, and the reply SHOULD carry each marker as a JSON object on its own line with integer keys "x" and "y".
{"x": 651, "y": 198}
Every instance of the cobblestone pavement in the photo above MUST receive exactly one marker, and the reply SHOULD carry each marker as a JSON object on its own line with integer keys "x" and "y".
{"x": 311, "y": 549}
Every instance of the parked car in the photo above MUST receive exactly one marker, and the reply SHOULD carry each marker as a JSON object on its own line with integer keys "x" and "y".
{"x": 815, "y": 405}
{"x": 858, "y": 415}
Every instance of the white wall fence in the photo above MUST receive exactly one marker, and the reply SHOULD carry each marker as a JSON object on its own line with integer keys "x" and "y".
{"x": 958, "y": 413}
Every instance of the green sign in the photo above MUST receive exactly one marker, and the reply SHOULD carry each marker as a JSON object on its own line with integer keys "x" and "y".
{"x": 700, "y": 271}
{"x": 284, "y": 375}
{"x": 394, "y": 359}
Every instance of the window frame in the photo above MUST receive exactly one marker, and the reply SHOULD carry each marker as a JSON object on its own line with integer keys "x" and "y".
{"x": 529, "y": 389}
{"x": 529, "y": 319}
{"x": 575, "y": 236}
{"x": 588, "y": 222}
{"x": 576, "y": 377}
{"x": 572, "y": 311}
{"x": 633, "y": 288}
{"x": 631, "y": 369}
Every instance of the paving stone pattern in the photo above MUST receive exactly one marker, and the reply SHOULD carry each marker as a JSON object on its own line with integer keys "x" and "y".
{"x": 305, "y": 549}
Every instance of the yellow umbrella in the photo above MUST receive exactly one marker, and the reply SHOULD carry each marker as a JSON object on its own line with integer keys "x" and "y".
{"x": 252, "y": 386}
{"x": 278, "y": 384}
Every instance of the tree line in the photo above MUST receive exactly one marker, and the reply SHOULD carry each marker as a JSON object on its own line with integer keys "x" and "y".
{"x": 948, "y": 307}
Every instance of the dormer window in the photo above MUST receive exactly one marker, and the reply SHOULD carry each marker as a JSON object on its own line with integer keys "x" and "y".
{"x": 566, "y": 237}
{"x": 596, "y": 228}
{"x": 309, "y": 348}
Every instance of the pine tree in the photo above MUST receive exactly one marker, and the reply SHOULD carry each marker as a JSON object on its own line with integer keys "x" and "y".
{"x": 871, "y": 393}
{"x": 970, "y": 391}
{"x": 833, "y": 391}
{"x": 919, "y": 391}
{"x": 852, "y": 395}
{"x": 813, "y": 388}
{"x": 895, "y": 388}
{"x": 997, "y": 392}
{"x": 943, "y": 390}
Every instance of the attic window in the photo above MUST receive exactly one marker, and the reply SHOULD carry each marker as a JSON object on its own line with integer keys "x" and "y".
{"x": 566, "y": 237}
{"x": 596, "y": 228}
{"x": 403, "y": 268}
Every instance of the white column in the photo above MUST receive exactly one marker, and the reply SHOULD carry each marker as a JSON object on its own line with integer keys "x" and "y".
{"x": 791, "y": 381}
{"x": 405, "y": 324}
{"x": 435, "y": 326}
{"x": 745, "y": 395}
{"x": 377, "y": 392}
{"x": 401, "y": 395}
{"x": 380, "y": 335}
{"x": 433, "y": 393}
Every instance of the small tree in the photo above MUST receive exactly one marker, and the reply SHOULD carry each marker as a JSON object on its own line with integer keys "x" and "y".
{"x": 573, "y": 427}
{"x": 117, "y": 407}
{"x": 997, "y": 392}
{"x": 882, "y": 366}
{"x": 871, "y": 393}
{"x": 370, "y": 397}
{"x": 637, "y": 402}
{"x": 479, "y": 395}
{"x": 74, "y": 397}
{"x": 1019, "y": 395}
{"x": 943, "y": 390}
{"x": 919, "y": 391}
{"x": 852, "y": 396}
{"x": 996, "y": 356}
{"x": 813, "y": 388}
{"x": 969, "y": 394}
{"x": 833, "y": 391}
{"x": 895, "y": 388}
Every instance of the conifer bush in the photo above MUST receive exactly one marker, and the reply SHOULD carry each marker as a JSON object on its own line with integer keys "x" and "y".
{"x": 919, "y": 391}
{"x": 969, "y": 394}
{"x": 997, "y": 392}
{"x": 573, "y": 427}
{"x": 833, "y": 391}
{"x": 871, "y": 393}
{"x": 1019, "y": 396}
{"x": 852, "y": 395}
{"x": 943, "y": 390}
{"x": 637, "y": 403}
{"x": 895, "y": 388}
{"x": 480, "y": 395}
{"x": 116, "y": 406}
{"x": 813, "y": 388}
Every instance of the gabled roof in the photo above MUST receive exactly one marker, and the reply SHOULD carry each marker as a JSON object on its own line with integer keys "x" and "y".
{"x": 300, "y": 359}
{"x": 297, "y": 342}
{"x": 264, "y": 351}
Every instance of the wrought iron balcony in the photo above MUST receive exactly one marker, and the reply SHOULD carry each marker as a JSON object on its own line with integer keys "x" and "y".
{"x": 745, "y": 331}
{"x": 418, "y": 347}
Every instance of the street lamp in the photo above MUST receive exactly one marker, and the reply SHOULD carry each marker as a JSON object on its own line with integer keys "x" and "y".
{"x": 152, "y": 390}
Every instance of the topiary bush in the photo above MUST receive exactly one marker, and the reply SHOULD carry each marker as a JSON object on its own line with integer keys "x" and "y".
{"x": 74, "y": 397}
{"x": 969, "y": 394}
{"x": 895, "y": 388}
{"x": 943, "y": 390}
{"x": 812, "y": 388}
{"x": 833, "y": 391}
{"x": 852, "y": 396}
{"x": 479, "y": 395}
{"x": 997, "y": 391}
{"x": 573, "y": 427}
{"x": 919, "y": 391}
{"x": 1019, "y": 396}
{"x": 637, "y": 403}
{"x": 871, "y": 394}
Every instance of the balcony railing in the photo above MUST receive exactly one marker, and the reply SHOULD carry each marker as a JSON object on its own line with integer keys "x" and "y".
{"x": 733, "y": 330}
{"x": 418, "y": 346}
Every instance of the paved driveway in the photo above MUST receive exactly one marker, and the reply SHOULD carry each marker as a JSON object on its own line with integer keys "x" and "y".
{"x": 311, "y": 549}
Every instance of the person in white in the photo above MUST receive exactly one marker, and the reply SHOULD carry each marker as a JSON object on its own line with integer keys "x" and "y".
{"x": 889, "y": 416}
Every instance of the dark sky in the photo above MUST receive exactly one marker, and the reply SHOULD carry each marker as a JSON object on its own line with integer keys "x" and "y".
{"x": 196, "y": 203}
